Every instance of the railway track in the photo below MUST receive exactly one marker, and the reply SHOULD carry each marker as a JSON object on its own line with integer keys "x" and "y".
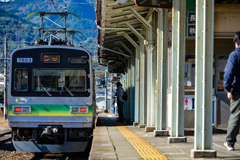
{"x": 5, "y": 136}
{"x": 7, "y": 151}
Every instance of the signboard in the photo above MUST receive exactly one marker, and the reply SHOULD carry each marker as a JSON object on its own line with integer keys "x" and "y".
{"x": 189, "y": 102}
{"x": 154, "y": 3}
{"x": 191, "y": 30}
{"x": 220, "y": 82}
{"x": 191, "y": 24}
{"x": 116, "y": 67}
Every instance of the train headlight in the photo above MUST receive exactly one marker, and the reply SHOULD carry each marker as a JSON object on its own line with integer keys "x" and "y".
{"x": 83, "y": 109}
{"x": 22, "y": 109}
{"x": 78, "y": 109}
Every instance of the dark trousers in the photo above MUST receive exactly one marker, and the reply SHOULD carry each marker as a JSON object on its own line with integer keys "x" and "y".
{"x": 234, "y": 120}
{"x": 120, "y": 110}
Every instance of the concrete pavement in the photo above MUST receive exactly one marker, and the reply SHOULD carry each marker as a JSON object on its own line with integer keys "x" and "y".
{"x": 109, "y": 143}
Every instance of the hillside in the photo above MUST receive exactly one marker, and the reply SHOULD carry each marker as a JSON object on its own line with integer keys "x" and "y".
{"x": 13, "y": 17}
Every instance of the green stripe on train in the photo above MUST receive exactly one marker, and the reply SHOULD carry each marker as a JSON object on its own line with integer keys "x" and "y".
{"x": 48, "y": 110}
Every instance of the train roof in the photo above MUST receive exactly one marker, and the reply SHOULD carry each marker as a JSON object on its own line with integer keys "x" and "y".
{"x": 53, "y": 46}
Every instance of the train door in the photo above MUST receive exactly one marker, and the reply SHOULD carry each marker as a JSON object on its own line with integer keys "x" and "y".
{"x": 221, "y": 111}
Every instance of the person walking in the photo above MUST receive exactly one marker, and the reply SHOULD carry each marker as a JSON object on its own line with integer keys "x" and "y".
{"x": 232, "y": 87}
{"x": 120, "y": 102}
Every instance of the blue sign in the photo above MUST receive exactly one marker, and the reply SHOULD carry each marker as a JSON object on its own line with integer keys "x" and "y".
{"x": 191, "y": 17}
{"x": 191, "y": 27}
{"x": 191, "y": 30}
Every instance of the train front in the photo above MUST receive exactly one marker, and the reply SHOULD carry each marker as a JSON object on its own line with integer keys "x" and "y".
{"x": 51, "y": 105}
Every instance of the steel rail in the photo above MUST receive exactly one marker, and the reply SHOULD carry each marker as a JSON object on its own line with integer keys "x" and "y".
{"x": 4, "y": 138}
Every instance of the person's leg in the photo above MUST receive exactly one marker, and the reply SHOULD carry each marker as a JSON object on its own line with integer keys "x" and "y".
{"x": 122, "y": 117}
{"x": 120, "y": 110}
{"x": 234, "y": 121}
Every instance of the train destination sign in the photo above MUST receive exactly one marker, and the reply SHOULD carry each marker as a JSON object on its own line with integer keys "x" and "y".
{"x": 51, "y": 58}
{"x": 154, "y": 3}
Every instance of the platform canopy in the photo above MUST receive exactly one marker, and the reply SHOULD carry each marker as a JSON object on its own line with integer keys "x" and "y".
{"x": 111, "y": 21}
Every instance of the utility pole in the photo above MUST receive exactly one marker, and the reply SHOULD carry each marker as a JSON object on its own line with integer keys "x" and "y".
{"x": 5, "y": 78}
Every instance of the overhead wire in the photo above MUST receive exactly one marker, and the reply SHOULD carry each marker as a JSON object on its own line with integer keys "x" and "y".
{"x": 54, "y": 5}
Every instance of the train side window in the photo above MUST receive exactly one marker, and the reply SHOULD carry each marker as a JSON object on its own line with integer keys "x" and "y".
{"x": 21, "y": 80}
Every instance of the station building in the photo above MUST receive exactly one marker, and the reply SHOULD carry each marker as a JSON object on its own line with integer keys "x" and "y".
{"x": 172, "y": 63}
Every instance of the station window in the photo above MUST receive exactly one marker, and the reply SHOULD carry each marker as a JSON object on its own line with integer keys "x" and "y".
{"x": 21, "y": 80}
{"x": 60, "y": 80}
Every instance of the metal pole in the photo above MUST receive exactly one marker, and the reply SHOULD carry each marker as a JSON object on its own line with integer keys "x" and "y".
{"x": 111, "y": 102}
{"x": 142, "y": 83}
{"x": 136, "y": 87}
{"x": 65, "y": 27}
{"x": 178, "y": 62}
{"x": 106, "y": 89}
{"x": 162, "y": 46}
{"x": 5, "y": 79}
{"x": 154, "y": 69}
{"x": 204, "y": 75}
{"x": 149, "y": 76}
{"x": 42, "y": 26}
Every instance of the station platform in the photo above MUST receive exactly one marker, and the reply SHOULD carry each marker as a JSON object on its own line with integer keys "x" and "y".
{"x": 123, "y": 141}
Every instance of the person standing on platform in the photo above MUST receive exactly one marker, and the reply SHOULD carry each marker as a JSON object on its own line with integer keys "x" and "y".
{"x": 232, "y": 87}
{"x": 120, "y": 102}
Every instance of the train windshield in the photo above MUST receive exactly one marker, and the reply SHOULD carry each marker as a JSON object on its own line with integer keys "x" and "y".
{"x": 21, "y": 80}
{"x": 60, "y": 80}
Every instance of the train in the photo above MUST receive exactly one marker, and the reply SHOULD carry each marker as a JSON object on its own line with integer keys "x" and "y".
{"x": 52, "y": 99}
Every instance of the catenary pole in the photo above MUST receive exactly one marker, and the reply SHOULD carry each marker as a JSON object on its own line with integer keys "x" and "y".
{"x": 5, "y": 78}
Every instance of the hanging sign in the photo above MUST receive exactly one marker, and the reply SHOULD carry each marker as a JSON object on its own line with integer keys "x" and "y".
{"x": 154, "y": 3}
{"x": 191, "y": 24}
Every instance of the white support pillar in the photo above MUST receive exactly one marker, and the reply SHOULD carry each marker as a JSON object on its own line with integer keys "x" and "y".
{"x": 152, "y": 108}
{"x": 162, "y": 46}
{"x": 149, "y": 46}
{"x": 142, "y": 85}
{"x": 137, "y": 88}
{"x": 204, "y": 75}
{"x": 178, "y": 63}
{"x": 154, "y": 69}
{"x": 149, "y": 80}
{"x": 139, "y": 79}
{"x": 134, "y": 79}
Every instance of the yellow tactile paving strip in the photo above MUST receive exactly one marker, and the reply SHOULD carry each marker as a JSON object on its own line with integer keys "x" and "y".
{"x": 143, "y": 147}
